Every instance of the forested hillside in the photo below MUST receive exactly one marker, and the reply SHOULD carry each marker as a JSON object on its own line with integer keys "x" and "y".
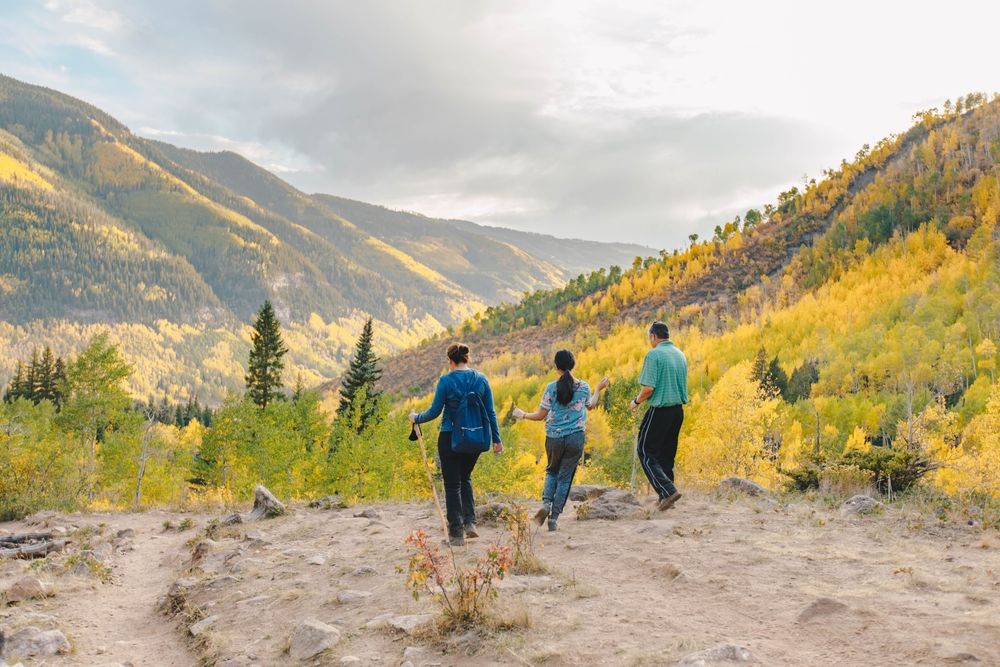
{"x": 174, "y": 250}
{"x": 855, "y": 319}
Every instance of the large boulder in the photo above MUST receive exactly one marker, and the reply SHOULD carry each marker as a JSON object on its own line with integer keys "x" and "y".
{"x": 312, "y": 637}
{"x": 583, "y": 492}
{"x": 27, "y": 588}
{"x": 265, "y": 505}
{"x": 724, "y": 654}
{"x": 860, "y": 504}
{"x": 612, "y": 505}
{"x": 741, "y": 485}
{"x": 30, "y": 642}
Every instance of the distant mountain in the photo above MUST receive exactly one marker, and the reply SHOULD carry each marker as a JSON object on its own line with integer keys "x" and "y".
{"x": 104, "y": 227}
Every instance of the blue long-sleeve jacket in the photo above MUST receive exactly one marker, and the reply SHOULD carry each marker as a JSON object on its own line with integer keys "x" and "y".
{"x": 451, "y": 387}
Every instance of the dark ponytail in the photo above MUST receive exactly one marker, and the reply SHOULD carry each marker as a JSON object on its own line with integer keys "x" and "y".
{"x": 564, "y": 388}
{"x": 459, "y": 353}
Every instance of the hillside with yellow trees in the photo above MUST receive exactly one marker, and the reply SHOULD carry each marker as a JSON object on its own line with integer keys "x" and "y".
{"x": 843, "y": 339}
{"x": 172, "y": 251}
{"x": 846, "y": 335}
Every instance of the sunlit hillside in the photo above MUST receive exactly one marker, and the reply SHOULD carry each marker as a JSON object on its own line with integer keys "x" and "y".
{"x": 173, "y": 251}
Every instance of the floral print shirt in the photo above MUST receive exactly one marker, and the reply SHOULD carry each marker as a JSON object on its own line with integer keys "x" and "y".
{"x": 564, "y": 420}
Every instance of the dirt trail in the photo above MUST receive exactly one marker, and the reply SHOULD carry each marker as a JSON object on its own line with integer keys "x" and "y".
{"x": 796, "y": 584}
{"x": 117, "y": 621}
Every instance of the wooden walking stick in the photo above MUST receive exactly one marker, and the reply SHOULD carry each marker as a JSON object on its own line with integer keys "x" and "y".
{"x": 430, "y": 478}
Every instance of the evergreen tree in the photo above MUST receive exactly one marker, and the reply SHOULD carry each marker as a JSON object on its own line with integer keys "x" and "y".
{"x": 31, "y": 386}
{"x": 358, "y": 385}
{"x": 801, "y": 382}
{"x": 46, "y": 377}
{"x": 264, "y": 376}
{"x": 15, "y": 389}
{"x": 777, "y": 379}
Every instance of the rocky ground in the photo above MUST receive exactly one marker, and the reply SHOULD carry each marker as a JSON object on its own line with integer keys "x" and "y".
{"x": 724, "y": 578}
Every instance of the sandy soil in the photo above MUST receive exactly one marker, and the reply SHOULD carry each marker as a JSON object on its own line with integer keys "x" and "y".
{"x": 795, "y": 584}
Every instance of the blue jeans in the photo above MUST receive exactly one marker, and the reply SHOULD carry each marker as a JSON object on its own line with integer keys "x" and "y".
{"x": 563, "y": 455}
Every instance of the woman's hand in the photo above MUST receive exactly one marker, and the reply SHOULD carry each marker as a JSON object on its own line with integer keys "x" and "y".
{"x": 498, "y": 448}
{"x": 518, "y": 414}
{"x": 603, "y": 384}
{"x": 412, "y": 417}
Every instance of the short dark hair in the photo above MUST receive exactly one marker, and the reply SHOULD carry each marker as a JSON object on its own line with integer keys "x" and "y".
{"x": 459, "y": 353}
{"x": 660, "y": 330}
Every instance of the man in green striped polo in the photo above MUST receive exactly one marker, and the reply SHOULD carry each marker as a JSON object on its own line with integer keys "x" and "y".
{"x": 664, "y": 387}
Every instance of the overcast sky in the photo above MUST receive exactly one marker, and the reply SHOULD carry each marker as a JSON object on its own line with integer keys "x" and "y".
{"x": 642, "y": 121}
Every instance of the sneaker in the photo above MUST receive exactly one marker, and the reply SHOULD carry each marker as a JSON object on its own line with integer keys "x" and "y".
{"x": 553, "y": 526}
{"x": 542, "y": 514}
{"x": 668, "y": 502}
{"x": 470, "y": 531}
{"x": 456, "y": 540}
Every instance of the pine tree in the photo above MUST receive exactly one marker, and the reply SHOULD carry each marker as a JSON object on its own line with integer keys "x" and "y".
{"x": 15, "y": 389}
{"x": 31, "y": 385}
{"x": 264, "y": 376}
{"x": 359, "y": 381}
{"x": 45, "y": 377}
{"x": 59, "y": 382}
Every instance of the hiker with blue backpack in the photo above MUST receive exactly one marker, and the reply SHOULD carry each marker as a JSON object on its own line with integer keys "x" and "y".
{"x": 468, "y": 428}
{"x": 564, "y": 407}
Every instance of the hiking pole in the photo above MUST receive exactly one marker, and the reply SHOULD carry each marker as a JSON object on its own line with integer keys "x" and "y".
{"x": 635, "y": 459}
{"x": 430, "y": 478}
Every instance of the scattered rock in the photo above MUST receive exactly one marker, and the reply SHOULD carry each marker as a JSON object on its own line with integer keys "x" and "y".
{"x": 959, "y": 658}
{"x": 348, "y": 596}
{"x": 265, "y": 505}
{"x": 368, "y": 513}
{"x": 741, "y": 485}
{"x": 655, "y": 527}
{"x": 410, "y": 624}
{"x": 860, "y": 504}
{"x": 724, "y": 653}
{"x": 223, "y": 581}
{"x": 334, "y": 502}
{"x": 582, "y": 492}
{"x": 231, "y": 520}
{"x": 125, "y": 533}
{"x": 364, "y": 571}
{"x": 821, "y": 607}
{"x": 312, "y": 637}
{"x": 316, "y": 560}
{"x": 490, "y": 514}
{"x": 30, "y": 642}
{"x": 201, "y": 626}
{"x": 407, "y": 663}
{"x": 612, "y": 505}
{"x": 255, "y": 538}
{"x": 27, "y": 588}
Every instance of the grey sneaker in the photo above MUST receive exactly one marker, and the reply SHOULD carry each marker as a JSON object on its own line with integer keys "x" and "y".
{"x": 553, "y": 526}
{"x": 470, "y": 531}
{"x": 542, "y": 514}
{"x": 668, "y": 502}
{"x": 456, "y": 540}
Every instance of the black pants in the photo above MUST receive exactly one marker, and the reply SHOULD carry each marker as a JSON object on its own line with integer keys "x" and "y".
{"x": 456, "y": 469}
{"x": 657, "y": 446}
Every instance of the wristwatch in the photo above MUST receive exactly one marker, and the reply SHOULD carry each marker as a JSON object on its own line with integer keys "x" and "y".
{"x": 635, "y": 402}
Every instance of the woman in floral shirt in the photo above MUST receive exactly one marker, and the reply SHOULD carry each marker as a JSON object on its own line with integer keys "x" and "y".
{"x": 564, "y": 409}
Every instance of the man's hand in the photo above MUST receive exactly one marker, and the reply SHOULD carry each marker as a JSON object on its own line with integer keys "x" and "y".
{"x": 632, "y": 405}
{"x": 518, "y": 413}
{"x": 412, "y": 417}
{"x": 603, "y": 384}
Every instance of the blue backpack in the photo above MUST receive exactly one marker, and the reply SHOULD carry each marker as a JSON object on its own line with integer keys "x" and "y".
{"x": 471, "y": 431}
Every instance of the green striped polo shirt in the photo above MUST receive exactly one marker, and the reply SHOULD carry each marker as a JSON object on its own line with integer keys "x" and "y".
{"x": 665, "y": 370}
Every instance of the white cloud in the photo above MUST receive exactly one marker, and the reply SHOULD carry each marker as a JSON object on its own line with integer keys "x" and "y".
{"x": 665, "y": 117}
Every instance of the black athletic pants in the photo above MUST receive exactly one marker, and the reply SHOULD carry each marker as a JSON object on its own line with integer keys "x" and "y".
{"x": 657, "y": 446}
{"x": 456, "y": 469}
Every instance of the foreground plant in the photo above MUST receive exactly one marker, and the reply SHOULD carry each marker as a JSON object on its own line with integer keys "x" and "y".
{"x": 463, "y": 592}
{"x": 518, "y": 525}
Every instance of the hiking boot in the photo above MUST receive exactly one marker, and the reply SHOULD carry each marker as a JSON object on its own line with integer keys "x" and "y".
{"x": 668, "y": 502}
{"x": 470, "y": 531}
{"x": 553, "y": 526}
{"x": 542, "y": 514}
